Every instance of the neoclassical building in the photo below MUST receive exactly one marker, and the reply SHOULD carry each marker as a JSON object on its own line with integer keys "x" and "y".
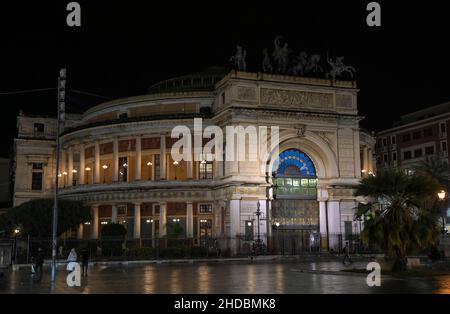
{"x": 116, "y": 158}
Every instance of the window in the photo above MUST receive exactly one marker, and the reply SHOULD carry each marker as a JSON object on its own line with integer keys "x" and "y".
{"x": 416, "y": 135}
{"x": 37, "y": 166}
{"x": 223, "y": 98}
{"x": 428, "y": 132}
{"x": 36, "y": 181}
{"x": 385, "y": 159}
{"x": 36, "y": 177}
{"x": 418, "y": 152}
{"x": 407, "y": 155}
{"x": 123, "y": 169}
{"x": 444, "y": 146}
{"x": 157, "y": 168}
{"x": 205, "y": 208}
{"x": 443, "y": 128}
{"x": 393, "y": 139}
{"x": 157, "y": 209}
{"x": 384, "y": 141}
{"x": 206, "y": 170}
{"x": 394, "y": 156}
{"x": 406, "y": 138}
{"x": 429, "y": 150}
{"x": 39, "y": 128}
{"x": 123, "y": 115}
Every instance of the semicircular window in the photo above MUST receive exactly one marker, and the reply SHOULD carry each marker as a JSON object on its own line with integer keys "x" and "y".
{"x": 294, "y": 175}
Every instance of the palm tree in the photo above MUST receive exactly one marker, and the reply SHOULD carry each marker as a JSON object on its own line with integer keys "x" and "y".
{"x": 438, "y": 171}
{"x": 398, "y": 218}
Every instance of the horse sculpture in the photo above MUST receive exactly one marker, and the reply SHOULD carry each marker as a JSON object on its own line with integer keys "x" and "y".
{"x": 338, "y": 68}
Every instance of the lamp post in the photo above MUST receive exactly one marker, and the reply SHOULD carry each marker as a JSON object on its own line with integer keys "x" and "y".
{"x": 176, "y": 163}
{"x": 88, "y": 169}
{"x": 65, "y": 177}
{"x": 16, "y": 233}
{"x": 441, "y": 194}
{"x": 149, "y": 164}
{"x": 105, "y": 167}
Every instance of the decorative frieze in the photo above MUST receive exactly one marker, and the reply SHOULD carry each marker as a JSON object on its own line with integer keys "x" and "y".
{"x": 246, "y": 93}
{"x": 296, "y": 99}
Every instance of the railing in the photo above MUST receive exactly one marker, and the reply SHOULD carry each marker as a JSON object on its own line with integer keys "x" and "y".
{"x": 201, "y": 247}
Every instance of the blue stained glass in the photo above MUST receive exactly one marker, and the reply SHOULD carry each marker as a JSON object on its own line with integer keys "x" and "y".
{"x": 296, "y": 158}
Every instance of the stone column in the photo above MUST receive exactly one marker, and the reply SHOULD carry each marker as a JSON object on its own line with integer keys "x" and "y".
{"x": 152, "y": 167}
{"x": 334, "y": 223}
{"x": 366, "y": 159}
{"x": 96, "y": 162}
{"x": 162, "y": 220}
{"x": 235, "y": 224}
{"x": 115, "y": 160}
{"x": 162, "y": 157}
{"x": 69, "y": 166}
{"x": 80, "y": 231}
{"x": 189, "y": 220}
{"x": 138, "y": 166}
{"x": 370, "y": 160}
{"x": 357, "y": 153}
{"x": 63, "y": 166}
{"x": 190, "y": 168}
{"x": 114, "y": 214}
{"x": 82, "y": 167}
{"x": 137, "y": 221}
{"x": 94, "y": 222}
{"x": 323, "y": 217}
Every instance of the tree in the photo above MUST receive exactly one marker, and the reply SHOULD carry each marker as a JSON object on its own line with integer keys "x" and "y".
{"x": 35, "y": 217}
{"x": 113, "y": 236}
{"x": 399, "y": 217}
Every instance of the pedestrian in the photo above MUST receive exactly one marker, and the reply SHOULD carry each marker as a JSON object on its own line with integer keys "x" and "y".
{"x": 84, "y": 261}
{"x": 39, "y": 261}
{"x": 345, "y": 251}
{"x": 61, "y": 250}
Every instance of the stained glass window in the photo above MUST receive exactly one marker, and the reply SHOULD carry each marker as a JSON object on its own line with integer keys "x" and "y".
{"x": 294, "y": 162}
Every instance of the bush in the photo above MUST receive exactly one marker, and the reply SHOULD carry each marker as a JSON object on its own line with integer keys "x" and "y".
{"x": 173, "y": 252}
{"x": 141, "y": 253}
{"x": 113, "y": 239}
{"x": 198, "y": 251}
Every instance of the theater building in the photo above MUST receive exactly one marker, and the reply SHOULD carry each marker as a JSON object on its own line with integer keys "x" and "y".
{"x": 116, "y": 158}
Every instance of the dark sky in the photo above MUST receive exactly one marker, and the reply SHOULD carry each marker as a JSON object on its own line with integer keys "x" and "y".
{"x": 124, "y": 47}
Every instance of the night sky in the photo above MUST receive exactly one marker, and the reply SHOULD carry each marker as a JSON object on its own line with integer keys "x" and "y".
{"x": 124, "y": 47}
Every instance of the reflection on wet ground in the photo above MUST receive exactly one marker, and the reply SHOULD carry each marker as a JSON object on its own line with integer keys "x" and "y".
{"x": 279, "y": 277}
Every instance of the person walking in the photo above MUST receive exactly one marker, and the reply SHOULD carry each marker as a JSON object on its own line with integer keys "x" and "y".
{"x": 84, "y": 261}
{"x": 345, "y": 250}
{"x": 39, "y": 261}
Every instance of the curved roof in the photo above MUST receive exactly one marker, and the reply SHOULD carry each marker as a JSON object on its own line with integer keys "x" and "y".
{"x": 204, "y": 80}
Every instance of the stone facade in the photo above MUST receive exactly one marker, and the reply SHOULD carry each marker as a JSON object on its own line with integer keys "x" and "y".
{"x": 116, "y": 157}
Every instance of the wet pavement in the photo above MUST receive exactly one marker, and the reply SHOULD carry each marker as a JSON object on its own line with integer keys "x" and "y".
{"x": 222, "y": 278}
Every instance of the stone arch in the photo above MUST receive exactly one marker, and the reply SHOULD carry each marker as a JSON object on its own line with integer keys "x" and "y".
{"x": 312, "y": 145}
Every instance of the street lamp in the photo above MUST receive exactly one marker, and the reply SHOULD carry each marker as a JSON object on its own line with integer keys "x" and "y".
{"x": 65, "y": 176}
{"x": 16, "y": 233}
{"x": 176, "y": 163}
{"x": 149, "y": 164}
{"x": 441, "y": 194}
{"x": 88, "y": 169}
{"x": 105, "y": 167}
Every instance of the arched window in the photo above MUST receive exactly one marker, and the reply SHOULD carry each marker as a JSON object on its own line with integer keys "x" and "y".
{"x": 294, "y": 175}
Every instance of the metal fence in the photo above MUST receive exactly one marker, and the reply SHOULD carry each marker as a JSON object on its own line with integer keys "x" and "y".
{"x": 24, "y": 249}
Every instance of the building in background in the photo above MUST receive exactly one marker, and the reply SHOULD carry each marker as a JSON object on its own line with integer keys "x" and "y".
{"x": 418, "y": 135}
{"x": 5, "y": 184}
{"x": 116, "y": 158}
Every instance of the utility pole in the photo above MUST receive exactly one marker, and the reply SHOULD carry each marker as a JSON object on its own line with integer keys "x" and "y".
{"x": 60, "y": 118}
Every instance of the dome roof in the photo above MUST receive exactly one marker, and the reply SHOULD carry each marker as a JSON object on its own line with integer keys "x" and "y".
{"x": 204, "y": 80}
